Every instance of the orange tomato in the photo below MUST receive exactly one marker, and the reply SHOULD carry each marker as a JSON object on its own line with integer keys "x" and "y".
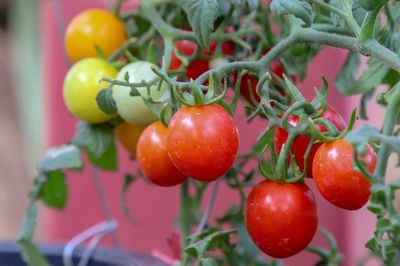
{"x": 128, "y": 135}
{"x": 90, "y": 28}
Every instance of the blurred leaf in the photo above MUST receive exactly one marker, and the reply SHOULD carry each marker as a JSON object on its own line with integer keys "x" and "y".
{"x": 54, "y": 191}
{"x": 106, "y": 102}
{"x": 202, "y": 15}
{"x": 208, "y": 262}
{"x": 98, "y": 140}
{"x": 371, "y": 4}
{"x": 347, "y": 74}
{"x": 297, "y": 57}
{"x": 371, "y": 78}
{"x": 108, "y": 160}
{"x": 62, "y": 157}
{"x": 298, "y": 8}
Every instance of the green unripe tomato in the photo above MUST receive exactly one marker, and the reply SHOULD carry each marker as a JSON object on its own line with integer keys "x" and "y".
{"x": 81, "y": 86}
{"x": 132, "y": 108}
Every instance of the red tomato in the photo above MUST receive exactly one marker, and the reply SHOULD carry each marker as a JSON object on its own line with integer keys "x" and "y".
{"x": 203, "y": 141}
{"x": 153, "y": 159}
{"x": 281, "y": 218}
{"x": 335, "y": 177}
{"x": 301, "y": 142}
{"x": 196, "y": 68}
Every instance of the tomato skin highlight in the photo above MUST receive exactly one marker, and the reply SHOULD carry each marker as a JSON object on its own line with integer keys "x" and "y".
{"x": 81, "y": 86}
{"x": 153, "y": 159}
{"x": 203, "y": 141}
{"x": 281, "y": 218}
{"x": 90, "y": 28}
{"x": 301, "y": 142}
{"x": 335, "y": 177}
{"x": 128, "y": 135}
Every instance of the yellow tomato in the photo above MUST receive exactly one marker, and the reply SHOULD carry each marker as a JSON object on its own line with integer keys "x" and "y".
{"x": 128, "y": 135}
{"x": 81, "y": 86}
{"x": 90, "y": 28}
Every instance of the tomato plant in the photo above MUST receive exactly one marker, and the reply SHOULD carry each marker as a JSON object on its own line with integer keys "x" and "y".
{"x": 203, "y": 141}
{"x": 128, "y": 135}
{"x": 133, "y": 109}
{"x": 281, "y": 218}
{"x": 301, "y": 142}
{"x": 151, "y": 151}
{"x": 190, "y": 100}
{"x": 91, "y": 28}
{"x": 81, "y": 86}
{"x": 336, "y": 178}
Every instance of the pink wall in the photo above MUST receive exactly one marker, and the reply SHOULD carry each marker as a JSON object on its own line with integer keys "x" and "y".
{"x": 155, "y": 208}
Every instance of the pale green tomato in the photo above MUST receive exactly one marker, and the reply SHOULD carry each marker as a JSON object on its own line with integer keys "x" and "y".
{"x": 133, "y": 109}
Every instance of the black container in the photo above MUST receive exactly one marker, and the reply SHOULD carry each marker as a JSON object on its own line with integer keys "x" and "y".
{"x": 10, "y": 256}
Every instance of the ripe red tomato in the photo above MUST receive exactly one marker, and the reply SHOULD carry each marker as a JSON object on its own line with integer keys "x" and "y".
{"x": 335, "y": 177}
{"x": 203, "y": 141}
{"x": 281, "y": 218}
{"x": 300, "y": 143}
{"x": 196, "y": 68}
{"x": 153, "y": 159}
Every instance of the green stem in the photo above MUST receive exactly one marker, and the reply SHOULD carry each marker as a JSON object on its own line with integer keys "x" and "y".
{"x": 117, "y": 8}
{"x": 185, "y": 220}
{"x": 391, "y": 118}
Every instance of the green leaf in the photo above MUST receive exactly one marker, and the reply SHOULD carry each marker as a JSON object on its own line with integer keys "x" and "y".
{"x": 371, "y": 78}
{"x": 202, "y": 15}
{"x": 371, "y": 4}
{"x": 54, "y": 191}
{"x": 359, "y": 138}
{"x": 298, "y": 8}
{"x": 95, "y": 138}
{"x": 63, "y": 157}
{"x": 108, "y": 160}
{"x": 347, "y": 75}
{"x": 31, "y": 254}
{"x": 106, "y": 102}
{"x": 211, "y": 239}
{"x": 29, "y": 221}
{"x": 208, "y": 262}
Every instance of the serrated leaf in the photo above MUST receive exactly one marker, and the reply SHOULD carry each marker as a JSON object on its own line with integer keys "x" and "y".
{"x": 202, "y": 15}
{"x": 298, "y": 8}
{"x": 63, "y": 157}
{"x": 95, "y": 138}
{"x": 31, "y": 254}
{"x": 106, "y": 102}
{"x": 54, "y": 191}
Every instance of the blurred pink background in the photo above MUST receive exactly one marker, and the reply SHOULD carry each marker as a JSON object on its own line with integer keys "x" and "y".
{"x": 155, "y": 208}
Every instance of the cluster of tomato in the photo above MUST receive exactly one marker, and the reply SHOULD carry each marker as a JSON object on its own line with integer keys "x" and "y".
{"x": 281, "y": 218}
{"x": 201, "y": 142}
